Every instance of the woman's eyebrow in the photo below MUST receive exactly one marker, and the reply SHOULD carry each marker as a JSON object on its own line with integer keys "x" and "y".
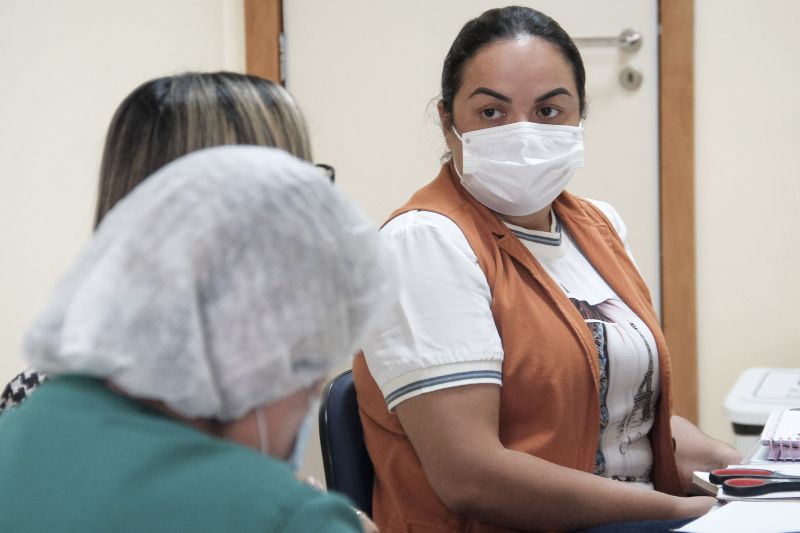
{"x": 504, "y": 98}
{"x": 489, "y": 92}
{"x": 550, "y": 94}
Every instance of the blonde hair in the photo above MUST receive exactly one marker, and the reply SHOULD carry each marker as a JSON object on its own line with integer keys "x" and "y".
{"x": 166, "y": 118}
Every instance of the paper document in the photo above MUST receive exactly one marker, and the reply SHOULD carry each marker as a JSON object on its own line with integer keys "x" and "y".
{"x": 749, "y": 517}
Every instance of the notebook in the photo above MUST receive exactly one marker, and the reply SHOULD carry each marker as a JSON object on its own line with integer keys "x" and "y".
{"x": 782, "y": 435}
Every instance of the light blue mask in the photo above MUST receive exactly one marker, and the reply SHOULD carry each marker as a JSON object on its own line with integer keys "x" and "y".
{"x": 295, "y": 460}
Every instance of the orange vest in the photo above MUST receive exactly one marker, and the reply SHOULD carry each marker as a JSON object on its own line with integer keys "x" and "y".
{"x": 549, "y": 401}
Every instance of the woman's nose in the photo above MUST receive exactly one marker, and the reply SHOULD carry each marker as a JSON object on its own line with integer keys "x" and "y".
{"x": 519, "y": 116}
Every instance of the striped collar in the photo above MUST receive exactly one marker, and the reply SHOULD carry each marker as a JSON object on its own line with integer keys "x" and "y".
{"x": 543, "y": 244}
{"x": 549, "y": 238}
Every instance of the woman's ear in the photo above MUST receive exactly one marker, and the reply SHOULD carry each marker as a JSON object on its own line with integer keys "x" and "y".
{"x": 446, "y": 122}
{"x": 444, "y": 118}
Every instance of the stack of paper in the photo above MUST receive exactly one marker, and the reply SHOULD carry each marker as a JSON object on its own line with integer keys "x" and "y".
{"x": 781, "y": 435}
{"x": 745, "y": 517}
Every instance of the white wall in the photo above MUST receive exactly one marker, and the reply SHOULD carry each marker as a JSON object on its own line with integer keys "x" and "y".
{"x": 65, "y": 66}
{"x": 748, "y": 186}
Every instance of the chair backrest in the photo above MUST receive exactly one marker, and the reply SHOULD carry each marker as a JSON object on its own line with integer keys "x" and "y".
{"x": 348, "y": 468}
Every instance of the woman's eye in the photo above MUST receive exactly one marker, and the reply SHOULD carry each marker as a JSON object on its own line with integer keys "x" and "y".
{"x": 549, "y": 112}
{"x": 491, "y": 113}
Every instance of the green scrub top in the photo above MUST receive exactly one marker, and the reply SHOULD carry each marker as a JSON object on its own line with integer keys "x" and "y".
{"x": 76, "y": 456}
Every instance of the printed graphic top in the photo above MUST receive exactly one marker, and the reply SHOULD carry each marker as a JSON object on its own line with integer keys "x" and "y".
{"x": 442, "y": 334}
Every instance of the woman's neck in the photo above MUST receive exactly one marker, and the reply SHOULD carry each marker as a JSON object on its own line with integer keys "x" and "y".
{"x": 538, "y": 221}
{"x": 210, "y": 427}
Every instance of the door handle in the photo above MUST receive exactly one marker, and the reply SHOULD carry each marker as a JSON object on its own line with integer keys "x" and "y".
{"x": 629, "y": 40}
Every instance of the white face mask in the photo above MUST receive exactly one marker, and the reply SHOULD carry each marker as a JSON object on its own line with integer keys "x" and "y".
{"x": 295, "y": 459}
{"x": 263, "y": 438}
{"x": 518, "y": 169}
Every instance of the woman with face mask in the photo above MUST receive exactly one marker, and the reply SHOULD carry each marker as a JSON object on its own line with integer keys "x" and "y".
{"x": 185, "y": 348}
{"x": 522, "y": 381}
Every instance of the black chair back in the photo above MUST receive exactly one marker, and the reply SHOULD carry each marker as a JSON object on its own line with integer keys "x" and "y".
{"x": 348, "y": 468}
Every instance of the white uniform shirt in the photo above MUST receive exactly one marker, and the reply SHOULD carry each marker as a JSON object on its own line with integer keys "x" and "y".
{"x": 442, "y": 333}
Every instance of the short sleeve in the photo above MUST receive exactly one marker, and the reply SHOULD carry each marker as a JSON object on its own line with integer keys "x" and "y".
{"x": 441, "y": 332}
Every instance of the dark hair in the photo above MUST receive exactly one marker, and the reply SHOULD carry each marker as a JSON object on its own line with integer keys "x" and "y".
{"x": 166, "y": 118}
{"x": 501, "y": 24}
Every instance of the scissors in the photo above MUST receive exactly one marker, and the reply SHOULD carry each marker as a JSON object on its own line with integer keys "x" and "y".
{"x": 718, "y": 476}
{"x": 754, "y": 486}
{"x": 753, "y": 481}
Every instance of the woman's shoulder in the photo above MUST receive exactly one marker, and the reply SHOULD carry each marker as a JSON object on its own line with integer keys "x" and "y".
{"x": 427, "y": 229}
{"x": 421, "y": 219}
{"x": 611, "y": 214}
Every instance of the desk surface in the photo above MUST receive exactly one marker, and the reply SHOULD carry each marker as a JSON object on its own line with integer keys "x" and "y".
{"x": 764, "y": 514}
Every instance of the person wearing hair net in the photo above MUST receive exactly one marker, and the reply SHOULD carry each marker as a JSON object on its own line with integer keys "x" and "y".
{"x": 186, "y": 346}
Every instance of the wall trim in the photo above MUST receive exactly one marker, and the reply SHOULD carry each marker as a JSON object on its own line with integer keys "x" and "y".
{"x": 263, "y": 24}
{"x": 677, "y": 198}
